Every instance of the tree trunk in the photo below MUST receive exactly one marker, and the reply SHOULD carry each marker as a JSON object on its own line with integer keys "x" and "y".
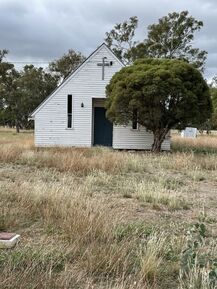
{"x": 159, "y": 137}
{"x": 17, "y": 126}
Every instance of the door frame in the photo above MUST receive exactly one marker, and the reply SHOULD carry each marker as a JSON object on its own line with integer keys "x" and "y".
{"x": 100, "y": 103}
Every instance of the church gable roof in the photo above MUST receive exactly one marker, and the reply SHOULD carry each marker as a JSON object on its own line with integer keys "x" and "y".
{"x": 72, "y": 74}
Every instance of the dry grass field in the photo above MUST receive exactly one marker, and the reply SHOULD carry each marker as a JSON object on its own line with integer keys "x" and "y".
{"x": 103, "y": 219}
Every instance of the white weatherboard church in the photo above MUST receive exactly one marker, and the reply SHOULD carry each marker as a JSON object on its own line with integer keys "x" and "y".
{"x": 74, "y": 114}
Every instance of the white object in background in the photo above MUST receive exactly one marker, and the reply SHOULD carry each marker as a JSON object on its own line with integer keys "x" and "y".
{"x": 190, "y": 132}
{"x": 8, "y": 240}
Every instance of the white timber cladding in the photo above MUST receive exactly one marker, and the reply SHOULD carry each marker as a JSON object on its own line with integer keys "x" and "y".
{"x": 124, "y": 137}
{"x": 86, "y": 86}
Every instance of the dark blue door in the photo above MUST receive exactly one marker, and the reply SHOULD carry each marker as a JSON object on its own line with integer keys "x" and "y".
{"x": 102, "y": 128}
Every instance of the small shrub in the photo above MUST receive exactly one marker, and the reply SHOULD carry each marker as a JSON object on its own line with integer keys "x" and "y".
{"x": 198, "y": 261}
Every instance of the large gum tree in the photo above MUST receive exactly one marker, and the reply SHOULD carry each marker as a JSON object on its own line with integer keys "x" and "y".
{"x": 164, "y": 93}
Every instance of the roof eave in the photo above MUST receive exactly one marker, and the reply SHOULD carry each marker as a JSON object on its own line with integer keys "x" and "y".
{"x": 32, "y": 115}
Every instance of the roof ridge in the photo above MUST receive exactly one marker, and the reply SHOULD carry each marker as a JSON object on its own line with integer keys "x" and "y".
{"x": 71, "y": 74}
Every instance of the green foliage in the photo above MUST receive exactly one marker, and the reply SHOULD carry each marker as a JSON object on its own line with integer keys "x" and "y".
{"x": 21, "y": 92}
{"x": 199, "y": 256}
{"x": 67, "y": 63}
{"x": 204, "y": 217}
{"x": 8, "y": 91}
{"x": 213, "y": 92}
{"x": 3, "y": 53}
{"x": 171, "y": 38}
{"x": 165, "y": 94}
{"x": 197, "y": 233}
{"x": 120, "y": 39}
{"x": 136, "y": 229}
{"x": 35, "y": 84}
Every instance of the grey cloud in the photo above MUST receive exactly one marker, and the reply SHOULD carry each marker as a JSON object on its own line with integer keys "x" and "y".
{"x": 45, "y": 29}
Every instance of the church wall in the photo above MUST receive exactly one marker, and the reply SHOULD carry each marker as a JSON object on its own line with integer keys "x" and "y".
{"x": 51, "y": 119}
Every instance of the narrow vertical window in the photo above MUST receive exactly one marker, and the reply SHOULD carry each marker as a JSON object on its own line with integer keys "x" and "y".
{"x": 134, "y": 121}
{"x": 69, "y": 111}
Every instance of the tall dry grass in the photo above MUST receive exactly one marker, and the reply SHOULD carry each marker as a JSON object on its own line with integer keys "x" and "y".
{"x": 69, "y": 204}
{"x": 197, "y": 277}
{"x": 76, "y": 160}
{"x": 157, "y": 193}
{"x": 86, "y": 242}
{"x": 200, "y": 144}
{"x": 84, "y": 161}
{"x": 66, "y": 209}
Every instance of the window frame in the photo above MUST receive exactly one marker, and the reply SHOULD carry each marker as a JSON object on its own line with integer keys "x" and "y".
{"x": 69, "y": 112}
{"x": 135, "y": 125}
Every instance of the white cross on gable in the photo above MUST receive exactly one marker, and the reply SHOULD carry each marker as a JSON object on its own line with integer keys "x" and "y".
{"x": 103, "y": 64}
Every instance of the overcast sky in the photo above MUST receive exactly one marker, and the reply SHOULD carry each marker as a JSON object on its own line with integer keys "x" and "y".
{"x": 42, "y": 30}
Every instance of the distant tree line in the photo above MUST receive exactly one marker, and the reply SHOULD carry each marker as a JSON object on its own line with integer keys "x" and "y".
{"x": 21, "y": 91}
{"x": 171, "y": 38}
